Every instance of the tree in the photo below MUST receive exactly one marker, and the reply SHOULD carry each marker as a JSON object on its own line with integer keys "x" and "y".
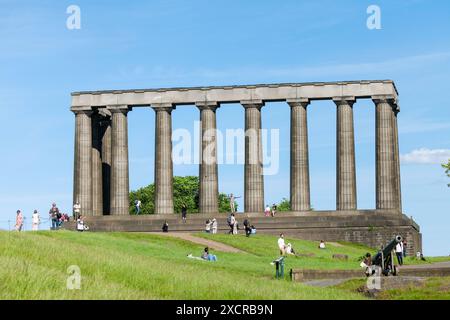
{"x": 447, "y": 169}
{"x": 284, "y": 205}
{"x": 185, "y": 190}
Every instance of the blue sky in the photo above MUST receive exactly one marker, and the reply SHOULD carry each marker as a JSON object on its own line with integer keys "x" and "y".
{"x": 146, "y": 44}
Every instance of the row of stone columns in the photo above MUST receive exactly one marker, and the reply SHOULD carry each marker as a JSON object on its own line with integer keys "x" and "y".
{"x": 101, "y": 174}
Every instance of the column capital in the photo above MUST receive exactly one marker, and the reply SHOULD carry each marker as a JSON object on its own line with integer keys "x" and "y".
{"x": 163, "y": 107}
{"x": 384, "y": 99}
{"x": 303, "y": 102}
{"x": 84, "y": 109}
{"x": 252, "y": 103}
{"x": 123, "y": 108}
{"x": 349, "y": 100}
{"x": 207, "y": 105}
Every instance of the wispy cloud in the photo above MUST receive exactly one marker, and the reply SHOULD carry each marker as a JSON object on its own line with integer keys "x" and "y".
{"x": 426, "y": 156}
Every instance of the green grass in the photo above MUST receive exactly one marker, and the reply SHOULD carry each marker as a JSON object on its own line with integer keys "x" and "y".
{"x": 432, "y": 289}
{"x": 266, "y": 246}
{"x": 137, "y": 266}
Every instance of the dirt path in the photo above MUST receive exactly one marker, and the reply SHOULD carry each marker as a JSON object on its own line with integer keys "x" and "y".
{"x": 214, "y": 245}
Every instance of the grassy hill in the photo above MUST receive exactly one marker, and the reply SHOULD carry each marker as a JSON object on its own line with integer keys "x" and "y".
{"x": 146, "y": 266}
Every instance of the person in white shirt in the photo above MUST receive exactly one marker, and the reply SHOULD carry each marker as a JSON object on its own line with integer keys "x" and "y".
{"x": 399, "y": 252}
{"x": 208, "y": 226}
{"x": 76, "y": 210}
{"x": 35, "y": 220}
{"x": 80, "y": 224}
{"x": 282, "y": 245}
{"x": 214, "y": 226}
{"x": 322, "y": 244}
{"x": 137, "y": 204}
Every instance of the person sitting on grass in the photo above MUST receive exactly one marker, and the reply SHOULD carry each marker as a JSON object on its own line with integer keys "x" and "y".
{"x": 290, "y": 249}
{"x": 80, "y": 224}
{"x": 322, "y": 244}
{"x": 208, "y": 256}
{"x": 165, "y": 227}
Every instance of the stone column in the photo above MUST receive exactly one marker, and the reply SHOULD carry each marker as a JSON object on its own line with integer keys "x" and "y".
{"x": 386, "y": 195}
{"x": 97, "y": 183}
{"x": 397, "y": 159}
{"x": 300, "y": 190}
{"x": 119, "y": 161}
{"x": 254, "y": 178}
{"x": 345, "y": 155}
{"x": 209, "y": 185}
{"x": 83, "y": 160}
{"x": 163, "y": 159}
{"x": 106, "y": 163}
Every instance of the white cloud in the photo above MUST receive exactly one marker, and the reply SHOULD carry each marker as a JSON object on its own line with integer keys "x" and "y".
{"x": 426, "y": 156}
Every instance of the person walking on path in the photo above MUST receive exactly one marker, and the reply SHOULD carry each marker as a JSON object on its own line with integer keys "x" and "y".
{"x": 399, "y": 252}
{"x": 19, "y": 220}
{"x": 232, "y": 202}
{"x": 53, "y": 213}
{"x": 35, "y": 220}
{"x": 76, "y": 210}
{"x": 137, "y": 205}
{"x": 214, "y": 226}
{"x": 183, "y": 212}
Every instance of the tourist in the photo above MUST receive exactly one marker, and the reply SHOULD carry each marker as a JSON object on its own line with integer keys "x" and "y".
{"x": 405, "y": 244}
{"x": 281, "y": 245}
{"x": 76, "y": 210}
{"x": 235, "y": 227}
{"x": 247, "y": 228}
{"x": 183, "y": 212}
{"x": 19, "y": 220}
{"x": 35, "y": 221}
{"x": 208, "y": 256}
{"x": 137, "y": 205}
{"x": 208, "y": 226}
{"x": 59, "y": 218}
{"x": 80, "y": 224}
{"x": 367, "y": 263}
{"x": 267, "y": 211}
{"x": 274, "y": 209}
{"x": 53, "y": 213}
{"x": 214, "y": 226}
{"x": 231, "y": 221}
{"x": 165, "y": 227}
{"x": 322, "y": 244}
{"x": 290, "y": 249}
{"x": 399, "y": 252}
{"x": 232, "y": 202}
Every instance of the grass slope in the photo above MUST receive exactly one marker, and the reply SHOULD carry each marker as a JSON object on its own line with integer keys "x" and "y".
{"x": 137, "y": 266}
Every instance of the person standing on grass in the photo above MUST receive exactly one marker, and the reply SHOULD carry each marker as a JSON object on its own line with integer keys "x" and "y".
{"x": 214, "y": 226}
{"x": 165, "y": 227}
{"x": 247, "y": 228}
{"x": 235, "y": 227}
{"x": 282, "y": 245}
{"x": 19, "y": 220}
{"x": 208, "y": 226}
{"x": 76, "y": 210}
{"x": 405, "y": 245}
{"x": 231, "y": 221}
{"x": 53, "y": 213}
{"x": 399, "y": 252}
{"x": 183, "y": 212}
{"x": 35, "y": 220}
